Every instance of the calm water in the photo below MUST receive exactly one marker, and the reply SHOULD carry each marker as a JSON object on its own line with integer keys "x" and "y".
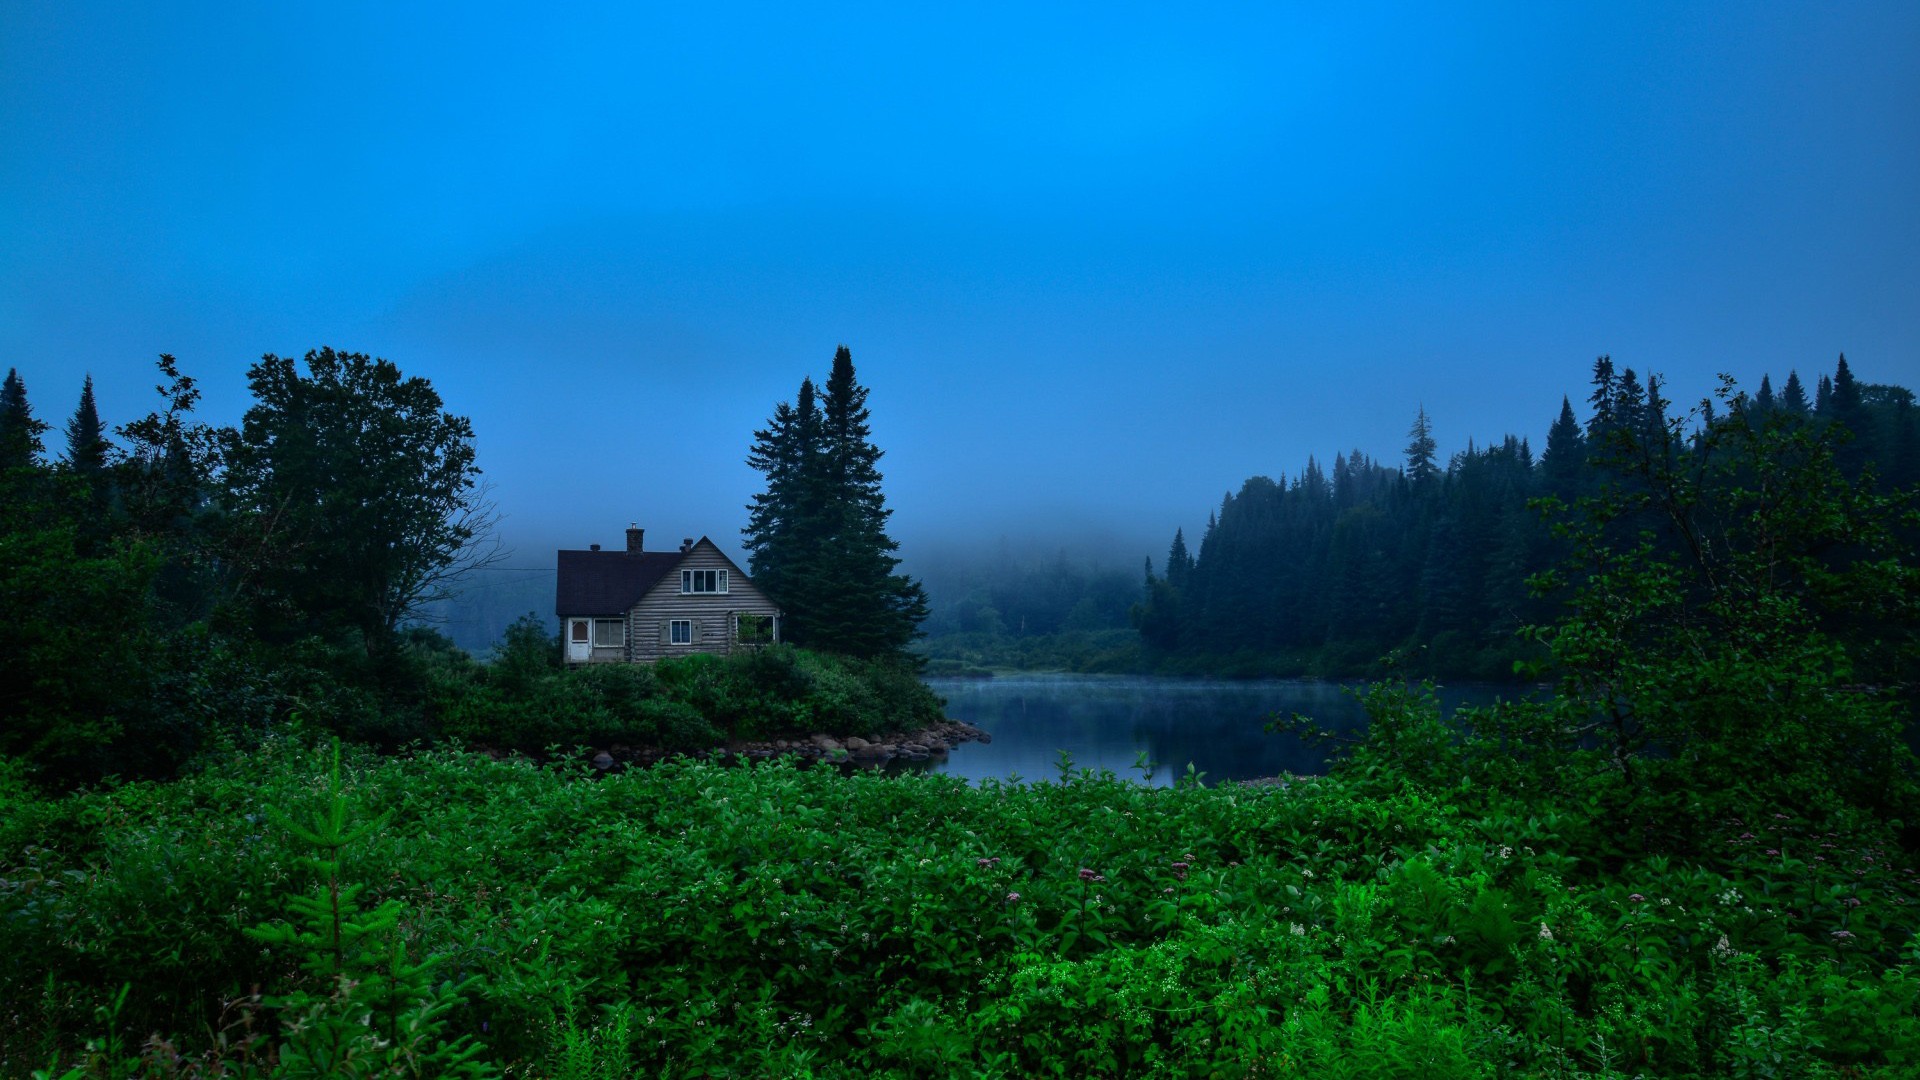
{"x": 1105, "y": 721}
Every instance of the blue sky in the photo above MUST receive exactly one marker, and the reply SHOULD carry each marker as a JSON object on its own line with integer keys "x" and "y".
{"x": 1097, "y": 263}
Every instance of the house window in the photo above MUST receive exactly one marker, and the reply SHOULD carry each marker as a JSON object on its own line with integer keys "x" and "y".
{"x": 580, "y": 631}
{"x": 753, "y": 629}
{"x": 609, "y": 633}
{"x": 681, "y": 632}
{"x": 703, "y": 581}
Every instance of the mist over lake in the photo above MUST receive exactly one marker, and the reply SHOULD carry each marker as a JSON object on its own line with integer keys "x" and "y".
{"x": 1104, "y": 722}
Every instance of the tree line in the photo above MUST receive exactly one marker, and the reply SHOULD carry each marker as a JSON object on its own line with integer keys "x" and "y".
{"x": 161, "y": 590}
{"x": 185, "y": 586}
{"x": 1433, "y": 564}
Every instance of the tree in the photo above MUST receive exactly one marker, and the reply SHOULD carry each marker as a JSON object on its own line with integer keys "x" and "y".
{"x": 87, "y": 444}
{"x": 1793, "y": 397}
{"x": 1566, "y": 456}
{"x": 1724, "y": 651}
{"x": 785, "y": 528}
{"x": 20, "y": 445}
{"x": 817, "y": 538}
{"x": 354, "y": 497}
{"x": 1179, "y": 562}
{"x": 1421, "y": 451}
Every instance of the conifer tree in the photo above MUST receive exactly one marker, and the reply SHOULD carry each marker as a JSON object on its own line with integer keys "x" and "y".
{"x": 784, "y": 529}
{"x": 1566, "y": 453}
{"x": 1846, "y": 391}
{"x": 1763, "y": 398}
{"x": 87, "y": 444}
{"x": 1793, "y": 396}
{"x": 20, "y": 445}
{"x": 1179, "y": 563}
{"x": 1421, "y": 450}
{"x": 1823, "y": 396}
{"x": 1602, "y": 400}
{"x": 817, "y": 538}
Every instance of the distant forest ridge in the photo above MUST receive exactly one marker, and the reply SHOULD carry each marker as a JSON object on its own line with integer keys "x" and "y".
{"x": 1422, "y": 564}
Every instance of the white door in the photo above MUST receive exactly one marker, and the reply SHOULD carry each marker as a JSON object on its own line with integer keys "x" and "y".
{"x": 579, "y": 640}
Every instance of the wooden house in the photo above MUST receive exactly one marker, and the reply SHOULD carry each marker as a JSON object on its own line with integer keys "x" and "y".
{"x": 637, "y": 606}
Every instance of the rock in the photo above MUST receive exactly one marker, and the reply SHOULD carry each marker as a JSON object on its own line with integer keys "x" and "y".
{"x": 826, "y": 742}
{"x": 855, "y": 743}
{"x": 603, "y": 760}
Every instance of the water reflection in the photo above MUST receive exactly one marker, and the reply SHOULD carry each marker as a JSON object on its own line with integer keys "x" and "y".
{"x": 1104, "y": 722}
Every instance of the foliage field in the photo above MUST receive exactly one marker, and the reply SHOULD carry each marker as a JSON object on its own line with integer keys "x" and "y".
{"x": 694, "y": 920}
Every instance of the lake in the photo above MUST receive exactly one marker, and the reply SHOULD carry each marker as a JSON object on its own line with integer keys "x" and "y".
{"x": 1105, "y": 721}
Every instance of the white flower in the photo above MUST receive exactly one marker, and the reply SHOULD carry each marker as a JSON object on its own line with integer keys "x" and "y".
{"x": 1296, "y": 930}
{"x": 1545, "y": 933}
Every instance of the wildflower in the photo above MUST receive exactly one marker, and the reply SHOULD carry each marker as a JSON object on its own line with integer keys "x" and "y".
{"x": 1852, "y": 901}
{"x": 1013, "y": 898}
{"x": 1843, "y": 934}
{"x": 1773, "y": 851}
{"x": 1086, "y": 874}
{"x": 1545, "y": 933}
{"x": 1637, "y": 898}
{"x": 1506, "y": 852}
{"x": 1296, "y": 930}
{"x": 1723, "y": 948}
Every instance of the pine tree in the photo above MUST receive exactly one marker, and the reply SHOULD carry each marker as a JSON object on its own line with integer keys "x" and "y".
{"x": 86, "y": 438}
{"x": 817, "y": 538}
{"x": 1793, "y": 397}
{"x": 1846, "y": 391}
{"x": 1421, "y": 450}
{"x": 1566, "y": 453}
{"x": 783, "y": 537}
{"x": 1763, "y": 400}
{"x": 1823, "y": 396}
{"x": 20, "y": 445}
{"x": 1179, "y": 563}
{"x": 1602, "y": 400}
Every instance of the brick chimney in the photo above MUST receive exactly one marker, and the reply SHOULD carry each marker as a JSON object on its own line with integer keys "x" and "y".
{"x": 634, "y": 535}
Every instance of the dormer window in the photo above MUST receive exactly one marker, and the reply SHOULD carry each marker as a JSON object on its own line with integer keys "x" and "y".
{"x": 702, "y": 581}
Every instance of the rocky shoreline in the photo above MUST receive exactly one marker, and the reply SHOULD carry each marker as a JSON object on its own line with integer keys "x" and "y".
{"x": 925, "y": 744}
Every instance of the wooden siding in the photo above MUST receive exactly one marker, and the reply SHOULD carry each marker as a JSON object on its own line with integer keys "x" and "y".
{"x": 711, "y": 613}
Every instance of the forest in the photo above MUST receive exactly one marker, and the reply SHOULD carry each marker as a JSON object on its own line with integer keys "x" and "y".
{"x": 272, "y": 827}
{"x": 1366, "y": 566}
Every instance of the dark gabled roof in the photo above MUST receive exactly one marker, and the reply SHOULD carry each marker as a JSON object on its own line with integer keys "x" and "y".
{"x": 608, "y": 582}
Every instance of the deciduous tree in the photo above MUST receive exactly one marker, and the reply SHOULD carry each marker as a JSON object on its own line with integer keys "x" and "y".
{"x": 354, "y": 494}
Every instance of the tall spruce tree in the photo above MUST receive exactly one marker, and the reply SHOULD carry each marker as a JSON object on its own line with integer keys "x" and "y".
{"x": 1566, "y": 454}
{"x": 20, "y": 445}
{"x": 86, "y": 438}
{"x": 784, "y": 533}
{"x": 1179, "y": 563}
{"x": 1793, "y": 396}
{"x": 817, "y": 537}
{"x": 1421, "y": 451}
